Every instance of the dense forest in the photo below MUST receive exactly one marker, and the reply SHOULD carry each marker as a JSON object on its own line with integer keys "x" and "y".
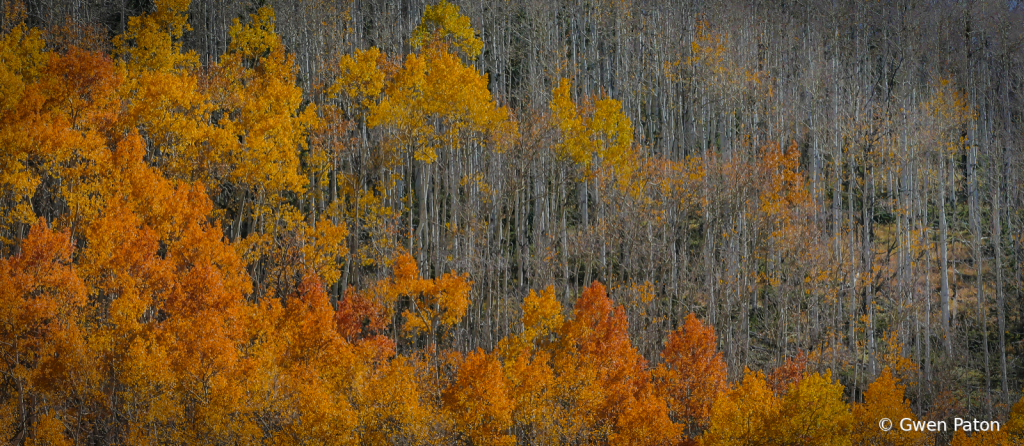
{"x": 406, "y": 222}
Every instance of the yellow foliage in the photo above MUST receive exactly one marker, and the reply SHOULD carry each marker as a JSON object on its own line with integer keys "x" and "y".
{"x": 255, "y": 88}
{"x": 435, "y": 102}
{"x": 153, "y": 41}
{"x": 22, "y": 61}
{"x": 813, "y": 412}
{"x": 542, "y": 314}
{"x": 437, "y": 304}
{"x": 744, "y": 415}
{"x": 360, "y": 76}
{"x": 597, "y": 138}
{"x": 884, "y": 399}
{"x": 443, "y": 23}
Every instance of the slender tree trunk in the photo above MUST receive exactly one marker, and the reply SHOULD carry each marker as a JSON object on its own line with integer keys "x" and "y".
{"x": 997, "y": 235}
{"x": 976, "y": 242}
{"x": 944, "y": 269}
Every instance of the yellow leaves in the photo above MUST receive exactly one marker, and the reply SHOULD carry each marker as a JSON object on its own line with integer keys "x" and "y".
{"x": 392, "y": 406}
{"x": 153, "y": 41}
{"x": 708, "y": 47}
{"x": 884, "y": 399}
{"x": 601, "y": 137}
{"x": 257, "y": 37}
{"x": 49, "y": 431}
{"x": 892, "y": 357}
{"x": 743, "y": 415}
{"x": 432, "y": 101}
{"x": 326, "y": 244}
{"x": 435, "y": 102}
{"x": 360, "y": 76}
{"x": 542, "y": 314}
{"x": 812, "y": 411}
{"x": 261, "y": 105}
{"x": 22, "y": 61}
{"x": 949, "y": 112}
{"x": 437, "y": 304}
{"x": 296, "y": 248}
{"x": 442, "y": 24}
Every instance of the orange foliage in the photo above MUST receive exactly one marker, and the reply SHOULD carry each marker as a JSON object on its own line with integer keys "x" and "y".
{"x": 478, "y": 401}
{"x": 789, "y": 373}
{"x": 137, "y": 309}
{"x": 695, "y": 373}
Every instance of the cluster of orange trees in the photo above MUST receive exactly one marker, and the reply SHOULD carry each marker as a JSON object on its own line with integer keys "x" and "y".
{"x": 144, "y": 337}
{"x": 170, "y": 235}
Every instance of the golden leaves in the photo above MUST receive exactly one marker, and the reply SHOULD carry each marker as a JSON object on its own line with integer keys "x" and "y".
{"x": 153, "y": 41}
{"x": 435, "y": 102}
{"x": 743, "y": 414}
{"x": 542, "y": 314}
{"x": 432, "y": 101}
{"x": 884, "y": 399}
{"x": 442, "y": 24}
{"x": 437, "y": 304}
{"x": 601, "y": 136}
{"x": 360, "y": 76}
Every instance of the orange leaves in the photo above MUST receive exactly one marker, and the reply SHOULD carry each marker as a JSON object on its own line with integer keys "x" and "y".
{"x": 598, "y": 329}
{"x": 40, "y": 294}
{"x": 42, "y": 342}
{"x": 643, "y": 420}
{"x": 695, "y": 373}
{"x": 597, "y": 360}
{"x": 59, "y": 129}
{"x": 478, "y": 401}
{"x": 359, "y": 316}
{"x": 783, "y": 190}
{"x": 789, "y": 373}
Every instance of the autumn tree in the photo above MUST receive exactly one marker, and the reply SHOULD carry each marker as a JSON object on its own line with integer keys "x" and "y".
{"x": 693, "y": 375}
{"x": 884, "y": 398}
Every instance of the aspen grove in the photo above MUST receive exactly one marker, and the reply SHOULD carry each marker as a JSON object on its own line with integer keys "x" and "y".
{"x": 521, "y": 222}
